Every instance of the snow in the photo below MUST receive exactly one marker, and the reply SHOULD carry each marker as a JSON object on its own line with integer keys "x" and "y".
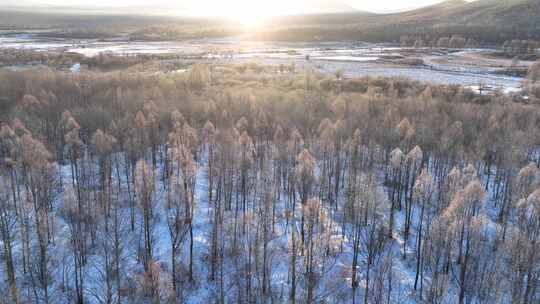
{"x": 347, "y": 58}
{"x": 76, "y": 68}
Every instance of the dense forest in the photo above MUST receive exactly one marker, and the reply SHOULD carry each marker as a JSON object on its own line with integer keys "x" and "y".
{"x": 253, "y": 184}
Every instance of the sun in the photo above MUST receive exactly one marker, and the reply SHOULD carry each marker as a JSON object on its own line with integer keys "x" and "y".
{"x": 249, "y": 13}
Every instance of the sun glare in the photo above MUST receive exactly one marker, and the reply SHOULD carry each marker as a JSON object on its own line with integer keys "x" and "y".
{"x": 249, "y": 13}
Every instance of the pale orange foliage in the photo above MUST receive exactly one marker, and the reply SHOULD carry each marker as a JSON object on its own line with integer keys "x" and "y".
{"x": 327, "y": 130}
{"x": 454, "y": 175}
{"x": 423, "y": 184}
{"x": 177, "y": 119}
{"x": 339, "y": 127}
{"x": 71, "y": 127}
{"x": 140, "y": 121}
{"x": 531, "y": 205}
{"x": 34, "y": 153}
{"x": 209, "y": 132}
{"x": 528, "y": 178}
{"x": 473, "y": 196}
{"x": 242, "y": 124}
{"x": 189, "y": 136}
{"x": 405, "y": 128}
{"x": 478, "y": 225}
{"x": 73, "y": 139}
{"x": 184, "y": 156}
{"x": 103, "y": 143}
{"x": 154, "y": 284}
{"x": 144, "y": 180}
{"x": 305, "y": 164}
{"x": 246, "y": 143}
{"x": 150, "y": 107}
{"x": 469, "y": 174}
{"x": 8, "y": 141}
{"x": 296, "y": 142}
{"x": 415, "y": 156}
{"x": 69, "y": 207}
{"x": 199, "y": 77}
{"x": 247, "y": 149}
{"x": 357, "y": 137}
{"x": 7, "y": 133}
{"x": 467, "y": 202}
{"x": 32, "y": 103}
{"x": 312, "y": 208}
{"x": 427, "y": 94}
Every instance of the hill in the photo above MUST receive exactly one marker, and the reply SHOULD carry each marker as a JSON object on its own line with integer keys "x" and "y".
{"x": 485, "y": 21}
{"x": 515, "y": 17}
{"x": 490, "y": 21}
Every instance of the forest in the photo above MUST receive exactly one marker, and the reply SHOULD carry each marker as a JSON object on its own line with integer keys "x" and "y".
{"x": 257, "y": 184}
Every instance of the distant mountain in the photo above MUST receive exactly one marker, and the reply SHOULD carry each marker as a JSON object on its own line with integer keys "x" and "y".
{"x": 9, "y": 3}
{"x": 489, "y": 21}
{"x": 481, "y": 12}
{"x": 331, "y": 7}
{"x": 497, "y": 19}
{"x": 159, "y": 7}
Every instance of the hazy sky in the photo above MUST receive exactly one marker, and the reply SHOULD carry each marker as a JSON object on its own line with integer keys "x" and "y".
{"x": 279, "y": 6}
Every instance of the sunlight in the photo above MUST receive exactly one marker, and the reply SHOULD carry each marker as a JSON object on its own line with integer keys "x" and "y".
{"x": 246, "y": 12}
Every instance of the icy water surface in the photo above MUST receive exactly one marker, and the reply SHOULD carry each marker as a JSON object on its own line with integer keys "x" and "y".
{"x": 354, "y": 59}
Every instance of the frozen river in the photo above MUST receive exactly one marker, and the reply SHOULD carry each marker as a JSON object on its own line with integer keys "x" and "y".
{"x": 353, "y": 59}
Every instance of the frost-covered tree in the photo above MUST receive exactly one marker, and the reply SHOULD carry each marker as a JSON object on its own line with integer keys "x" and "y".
{"x": 74, "y": 217}
{"x": 423, "y": 190}
{"x": 183, "y": 142}
{"x": 464, "y": 211}
{"x": 315, "y": 245}
{"x": 413, "y": 162}
{"x": 397, "y": 159}
{"x": 145, "y": 187}
{"x": 104, "y": 144}
{"x": 8, "y": 226}
{"x": 41, "y": 188}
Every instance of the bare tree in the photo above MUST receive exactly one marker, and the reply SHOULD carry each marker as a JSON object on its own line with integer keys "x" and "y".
{"x": 74, "y": 216}
{"x": 8, "y": 226}
{"x": 423, "y": 189}
{"x": 145, "y": 188}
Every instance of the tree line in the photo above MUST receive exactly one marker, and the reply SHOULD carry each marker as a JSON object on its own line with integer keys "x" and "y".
{"x": 453, "y": 41}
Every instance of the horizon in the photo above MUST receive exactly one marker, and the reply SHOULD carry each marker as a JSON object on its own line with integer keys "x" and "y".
{"x": 233, "y": 9}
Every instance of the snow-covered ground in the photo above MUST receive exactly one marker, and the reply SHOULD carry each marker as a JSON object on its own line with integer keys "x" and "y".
{"x": 334, "y": 286}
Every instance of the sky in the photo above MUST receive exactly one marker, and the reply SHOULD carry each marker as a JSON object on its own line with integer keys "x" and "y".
{"x": 222, "y": 7}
